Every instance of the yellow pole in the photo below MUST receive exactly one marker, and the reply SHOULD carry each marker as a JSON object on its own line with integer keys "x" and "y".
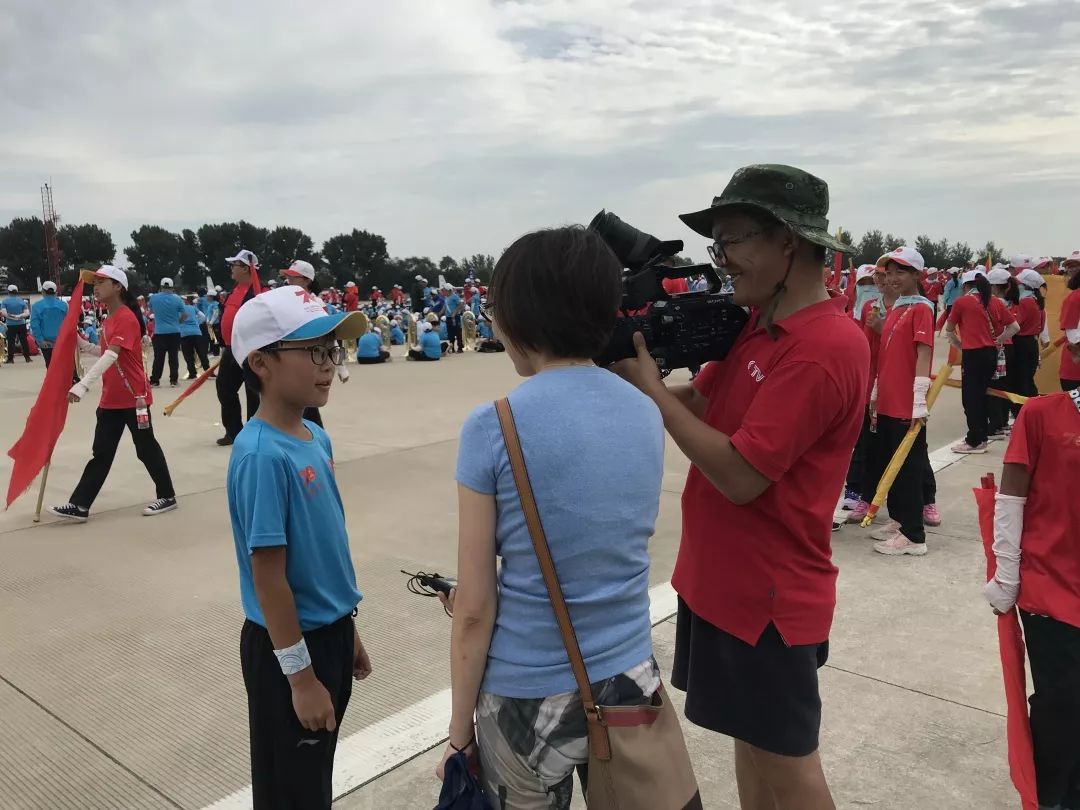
{"x": 41, "y": 491}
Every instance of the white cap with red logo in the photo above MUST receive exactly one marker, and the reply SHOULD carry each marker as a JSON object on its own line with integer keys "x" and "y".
{"x": 1072, "y": 258}
{"x": 115, "y": 273}
{"x": 301, "y": 269}
{"x": 907, "y": 256}
{"x": 288, "y": 314}
{"x": 864, "y": 271}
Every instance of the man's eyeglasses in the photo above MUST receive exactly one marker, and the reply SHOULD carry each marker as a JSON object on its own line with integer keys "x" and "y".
{"x": 718, "y": 249}
{"x": 320, "y": 352}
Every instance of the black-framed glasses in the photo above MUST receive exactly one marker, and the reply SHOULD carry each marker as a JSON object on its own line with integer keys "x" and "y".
{"x": 718, "y": 249}
{"x": 320, "y": 352}
{"x": 487, "y": 309}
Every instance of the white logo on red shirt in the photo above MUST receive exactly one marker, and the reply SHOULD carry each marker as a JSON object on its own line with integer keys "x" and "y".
{"x": 755, "y": 372}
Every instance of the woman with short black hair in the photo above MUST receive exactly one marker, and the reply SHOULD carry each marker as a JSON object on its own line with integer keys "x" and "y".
{"x": 594, "y": 447}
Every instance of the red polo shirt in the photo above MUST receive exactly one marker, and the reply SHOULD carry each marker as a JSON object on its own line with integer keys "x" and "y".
{"x": 793, "y": 408}
{"x": 1029, "y": 316}
{"x": 970, "y": 319}
{"x": 905, "y": 330}
{"x": 1070, "y": 319}
{"x": 1046, "y": 442}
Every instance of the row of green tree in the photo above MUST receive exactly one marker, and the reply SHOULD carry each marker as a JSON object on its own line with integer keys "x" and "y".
{"x": 189, "y": 256}
{"x": 942, "y": 253}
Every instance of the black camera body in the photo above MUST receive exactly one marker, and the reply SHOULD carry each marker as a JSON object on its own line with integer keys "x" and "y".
{"x": 681, "y": 331}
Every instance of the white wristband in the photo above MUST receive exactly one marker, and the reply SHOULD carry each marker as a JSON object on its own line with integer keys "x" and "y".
{"x": 295, "y": 658}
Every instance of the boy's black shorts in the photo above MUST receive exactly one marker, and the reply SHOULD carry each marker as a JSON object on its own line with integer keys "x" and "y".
{"x": 765, "y": 695}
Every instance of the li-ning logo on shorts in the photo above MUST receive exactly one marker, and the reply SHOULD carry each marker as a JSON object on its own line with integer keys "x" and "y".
{"x": 755, "y": 372}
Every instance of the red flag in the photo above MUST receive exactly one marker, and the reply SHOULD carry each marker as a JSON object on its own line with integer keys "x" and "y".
{"x": 1011, "y": 649}
{"x": 47, "y": 416}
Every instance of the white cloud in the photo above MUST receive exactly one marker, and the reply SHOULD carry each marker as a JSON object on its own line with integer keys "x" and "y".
{"x": 452, "y": 127}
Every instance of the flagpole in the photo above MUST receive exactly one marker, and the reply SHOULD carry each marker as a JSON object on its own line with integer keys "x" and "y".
{"x": 41, "y": 491}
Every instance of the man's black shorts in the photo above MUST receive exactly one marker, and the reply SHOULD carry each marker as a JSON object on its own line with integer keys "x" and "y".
{"x": 765, "y": 695}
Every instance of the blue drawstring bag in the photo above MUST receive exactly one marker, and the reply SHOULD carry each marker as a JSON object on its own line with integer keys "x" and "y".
{"x": 460, "y": 789}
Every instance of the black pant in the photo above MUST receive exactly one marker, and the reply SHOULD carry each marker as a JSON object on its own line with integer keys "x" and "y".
{"x": 166, "y": 345}
{"x": 110, "y": 427}
{"x": 204, "y": 339}
{"x": 489, "y": 345}
{"x": 192, "y": 346}
{"x": 418, "y": 354}
{"x": 230, "y": 379}
{"x": 906, "y": 494}
{"x": 1069, "y": 385}
{"x": 292, "y": 768}
{"x": 17, "y": 333}
{"x": 929, "y": 480}
{"x": 978, "y": 367}
{"x": 453, "y": 332}
{"x": 1025, "y": 362}
{"x": 1054, "y": 653}
{"x": 857, "y": 466}
{"x": 217, "y": 343}
{"x": 370, "y": 361}
{"x": 997, "y": 409}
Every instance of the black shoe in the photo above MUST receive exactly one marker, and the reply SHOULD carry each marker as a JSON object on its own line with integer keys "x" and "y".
{"x": 160, "y": 506}
{"x": 155, "y": 384}
{"x": 29, "y": 359}
{"x": 71, "y": 512}
{"x": 225, "y": 441}
{"x": 173, "y": 383}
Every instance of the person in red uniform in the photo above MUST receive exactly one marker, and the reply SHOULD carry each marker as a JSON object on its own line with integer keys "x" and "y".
{"x": 376, "y": 296}
{"x": 230, "y": 379}
{"x": 769, "y": 432}
{"x": 1069, "y": 370}
{"x": 1037, "y": 547}
{"x": 984, "y": 323}
{"x": 352, "y": 297}
{"x": 397, "y": 296}
{"x": 125, "y": 401}
{"x": 898, "y": 398}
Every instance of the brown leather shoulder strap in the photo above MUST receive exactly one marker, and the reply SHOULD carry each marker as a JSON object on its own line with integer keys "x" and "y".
{"x": 547, "y": 568}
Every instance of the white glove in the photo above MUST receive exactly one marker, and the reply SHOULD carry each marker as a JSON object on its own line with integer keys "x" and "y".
{"x": 1002, "y": 598}
{"x": 919, "y": 410}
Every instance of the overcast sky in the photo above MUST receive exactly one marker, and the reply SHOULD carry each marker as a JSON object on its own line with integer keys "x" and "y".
{"x": 453, "y": 126}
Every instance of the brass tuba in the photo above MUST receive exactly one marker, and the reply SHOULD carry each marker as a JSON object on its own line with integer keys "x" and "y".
{"x": 382, "y": 323}
{"x": 411, "y": 337}
{"x": 352, "y": 347}
{"x": 468, "y": 329}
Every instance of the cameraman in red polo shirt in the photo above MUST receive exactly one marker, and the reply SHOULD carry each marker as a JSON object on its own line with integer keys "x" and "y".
{"x": 769, "y": 432}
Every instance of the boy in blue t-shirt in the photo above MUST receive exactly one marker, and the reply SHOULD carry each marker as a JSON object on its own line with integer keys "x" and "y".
{"x": 430, "y": 348}
{"x": 299, "y": 644}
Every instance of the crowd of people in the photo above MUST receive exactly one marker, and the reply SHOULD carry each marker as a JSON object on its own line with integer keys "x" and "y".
{"x": 816, "y": 395}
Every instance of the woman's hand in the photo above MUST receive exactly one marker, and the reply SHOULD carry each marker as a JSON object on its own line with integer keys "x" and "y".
{"x": 470, "y": 756}
{"x": 73, "y": 398}
{"x": 448, "y": 601}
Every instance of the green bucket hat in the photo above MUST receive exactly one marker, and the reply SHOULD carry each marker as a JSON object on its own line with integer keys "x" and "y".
{"x": 793, "y": 196}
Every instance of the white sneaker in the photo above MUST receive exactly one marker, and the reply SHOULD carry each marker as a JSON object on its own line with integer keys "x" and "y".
{"x": 967, "y": 449}
{"x": 886, "y": 532}
{"x": 898, "y": 545}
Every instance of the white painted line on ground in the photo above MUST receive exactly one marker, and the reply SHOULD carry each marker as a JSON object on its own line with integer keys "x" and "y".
{"x": 383, "y": 746}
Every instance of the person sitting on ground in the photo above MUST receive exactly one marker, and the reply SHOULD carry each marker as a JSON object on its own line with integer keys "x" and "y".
{"x": 369, "y": 349}
{"x": 486, "y": 341}
{"x": 397, "y": 337}
{"x": 430, "y": 347}
{"x": 89, "y": 331}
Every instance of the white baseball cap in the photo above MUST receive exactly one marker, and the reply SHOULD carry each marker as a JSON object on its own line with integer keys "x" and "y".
{"x": 425, "y": 327}
{"x": 272, "y": 282}
{"x": 287, "y": 314}
{"x": 998, "y": 276}
{"x": 350, "y": 283}
{"x": 1020, "y": 261}
{"x": 301, "y": 269}
{"x": 48, "y": 285}
{"x": 245, "y": 256}
{"x": 907, "y": 256}
{"x": 864, "y": 271}
{"x": 1031, "y": 279}
{"x": 211, "y": 293}
{"x": 419, "y": 278}
{"x": 970, "y": 276}
{"x": 12, "y": 288}
{"x": 1072, "y": 258}
{"x": 166, "y": 282}
{"x": 115, "y": 273}
{"x": 217, "y": 287}
{"x": 1039, "y": 262}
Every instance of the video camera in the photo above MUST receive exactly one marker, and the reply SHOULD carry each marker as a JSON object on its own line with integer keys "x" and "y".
{"x": 681, "y": 331}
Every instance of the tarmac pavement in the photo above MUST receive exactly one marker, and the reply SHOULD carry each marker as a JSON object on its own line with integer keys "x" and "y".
{"x": 119, "y": 674}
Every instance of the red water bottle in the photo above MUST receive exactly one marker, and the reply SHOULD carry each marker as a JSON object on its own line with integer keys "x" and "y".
{"x": 142, "y": 413}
